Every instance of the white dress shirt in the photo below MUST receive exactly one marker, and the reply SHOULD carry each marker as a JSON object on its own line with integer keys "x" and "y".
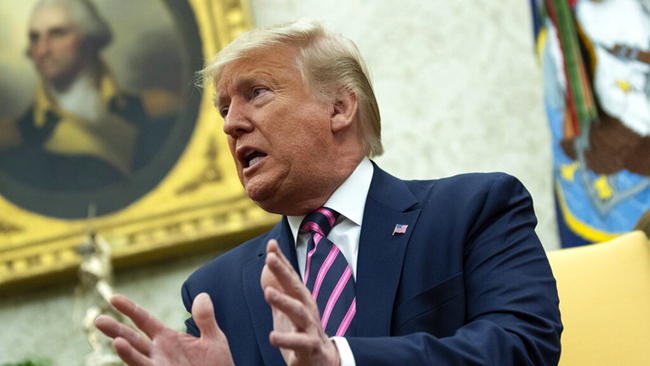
{"x": 350, "y": 201}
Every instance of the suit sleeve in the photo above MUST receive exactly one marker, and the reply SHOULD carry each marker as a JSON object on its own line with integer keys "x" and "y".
{"x": 512, "y": 315}
{"x": 192, "y": 329}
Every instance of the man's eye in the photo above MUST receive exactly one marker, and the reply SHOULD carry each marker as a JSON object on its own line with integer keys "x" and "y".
{"x": 59, "y": 32}
{"x": 258, "y": 91}
{"x": 223, "y": 112}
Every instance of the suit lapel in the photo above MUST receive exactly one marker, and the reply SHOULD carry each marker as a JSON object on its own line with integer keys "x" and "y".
{"x": 260, "y": 311}
{"x": 381, "y": 254}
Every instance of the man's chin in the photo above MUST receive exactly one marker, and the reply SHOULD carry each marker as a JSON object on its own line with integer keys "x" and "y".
{"x": 269, "y": 193}
{"x": 267, "y": 201}
{"x": 56, "y": 77}
{"x": 47, "y": 76}
{"x": 270, "y": 206}
{"x": 260, "y": 195}
{"x": 49, "y": 70}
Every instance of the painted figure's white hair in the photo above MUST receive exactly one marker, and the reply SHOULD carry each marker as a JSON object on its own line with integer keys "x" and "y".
{"x": 327, "y": 61}
{"x": 84, "y": 15}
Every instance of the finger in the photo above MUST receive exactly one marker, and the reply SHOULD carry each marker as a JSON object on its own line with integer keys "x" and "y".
{"x": 273, "y": 247}
{"x": 273, "y": 250}
{"x": 293, "y": 341}
{"x": 287, "y": 277}
{"x": 203, "y": 314}
{"x": 140, "y": 317}
{"x": 292, "y": 308}
{"x": 268, "y": 279}
{"x": 107, "y": 325}
{"x": 115, "y": 329}
{"x": 129, "y": 354}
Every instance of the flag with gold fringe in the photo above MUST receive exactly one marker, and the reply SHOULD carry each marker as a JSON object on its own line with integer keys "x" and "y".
{"x": 595, "y": 59}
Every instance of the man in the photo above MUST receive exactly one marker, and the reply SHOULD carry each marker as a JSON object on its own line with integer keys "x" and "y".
{"x": 82, "y": 132}
{"x": 443, "y": 272}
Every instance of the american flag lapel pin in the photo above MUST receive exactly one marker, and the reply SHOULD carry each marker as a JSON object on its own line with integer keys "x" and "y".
{"x": 399, "y": 229}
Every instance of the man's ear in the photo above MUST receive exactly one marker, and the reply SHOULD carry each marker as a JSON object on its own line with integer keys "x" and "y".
{"x": 344, "y": 110}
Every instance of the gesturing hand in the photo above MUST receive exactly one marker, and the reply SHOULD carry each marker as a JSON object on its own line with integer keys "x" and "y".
{"x": 297, "y": 329}
{"x": 164, "y": 346}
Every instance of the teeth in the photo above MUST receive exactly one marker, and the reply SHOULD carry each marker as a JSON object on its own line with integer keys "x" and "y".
{"x": 254, "y": 160}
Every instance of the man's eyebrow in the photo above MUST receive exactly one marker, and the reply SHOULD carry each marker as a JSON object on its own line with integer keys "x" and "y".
{"x": 55, "y": 29}
{"x": 243, "y": 81}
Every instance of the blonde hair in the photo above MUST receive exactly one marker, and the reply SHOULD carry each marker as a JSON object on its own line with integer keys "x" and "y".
{"x": 327, "y": 62}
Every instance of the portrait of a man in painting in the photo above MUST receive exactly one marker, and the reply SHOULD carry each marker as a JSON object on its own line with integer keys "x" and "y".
{"x": 103, "y": 123}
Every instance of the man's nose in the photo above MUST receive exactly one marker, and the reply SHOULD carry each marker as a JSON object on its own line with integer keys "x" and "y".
{"x": 238, "y": 120}
{"x": 40, "y": 47}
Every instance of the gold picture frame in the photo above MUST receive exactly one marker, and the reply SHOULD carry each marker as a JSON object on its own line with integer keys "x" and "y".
{"x": 197, "y": 202}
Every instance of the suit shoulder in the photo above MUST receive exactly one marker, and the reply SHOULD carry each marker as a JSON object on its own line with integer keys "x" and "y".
{"x": 470, "y": 196}
{"x": 465, "y": 185}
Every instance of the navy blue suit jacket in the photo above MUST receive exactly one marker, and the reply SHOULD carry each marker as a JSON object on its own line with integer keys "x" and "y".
{"x": 467, "y": 284}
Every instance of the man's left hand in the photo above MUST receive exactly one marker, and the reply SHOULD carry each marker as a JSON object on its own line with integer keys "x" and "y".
{"x": 163, "y": 346}
{"x": 297, "y": 329}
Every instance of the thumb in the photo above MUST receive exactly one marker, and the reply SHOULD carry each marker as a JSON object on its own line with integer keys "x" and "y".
{"x": 203, "y": 314}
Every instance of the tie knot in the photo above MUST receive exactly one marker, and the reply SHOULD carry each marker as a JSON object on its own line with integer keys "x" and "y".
{"x": 320, "y": 221}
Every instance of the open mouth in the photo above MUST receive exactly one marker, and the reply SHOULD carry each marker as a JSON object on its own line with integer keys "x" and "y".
{"x": 253, "y": 158}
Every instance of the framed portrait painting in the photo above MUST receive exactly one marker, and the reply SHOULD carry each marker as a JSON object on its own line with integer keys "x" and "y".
{"x": 103, "y": 131}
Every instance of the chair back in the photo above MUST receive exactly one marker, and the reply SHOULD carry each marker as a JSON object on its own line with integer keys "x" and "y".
{"x": 604, "y": 292}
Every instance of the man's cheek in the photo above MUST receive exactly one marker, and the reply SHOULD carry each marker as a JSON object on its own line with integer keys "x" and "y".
{"x": 233, "y": 154}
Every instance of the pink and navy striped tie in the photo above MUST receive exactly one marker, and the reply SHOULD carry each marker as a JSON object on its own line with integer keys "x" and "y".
{"x": 328, "y": 275}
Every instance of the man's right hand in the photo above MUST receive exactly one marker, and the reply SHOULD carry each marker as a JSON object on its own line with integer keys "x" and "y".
{"x": 164, "y": 346}
{"x": 297, "y": 329}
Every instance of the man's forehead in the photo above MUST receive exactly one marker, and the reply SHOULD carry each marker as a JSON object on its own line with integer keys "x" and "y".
{"x": 49, "y": 17}
{"x": 271, "y": 66}
{"x": 232, "y": 74}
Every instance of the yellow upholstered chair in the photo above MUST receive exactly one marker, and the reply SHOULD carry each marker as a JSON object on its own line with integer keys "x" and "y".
{"x": 605, "y": 302}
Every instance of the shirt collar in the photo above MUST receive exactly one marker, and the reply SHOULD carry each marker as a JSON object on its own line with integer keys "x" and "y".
{"x": 349, "y": 199}
{"x": 107, "y": 91}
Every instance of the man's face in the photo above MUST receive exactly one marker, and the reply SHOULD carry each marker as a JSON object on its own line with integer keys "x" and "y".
{"x": 279, "y": 136}
{"x": 54, "y": 45}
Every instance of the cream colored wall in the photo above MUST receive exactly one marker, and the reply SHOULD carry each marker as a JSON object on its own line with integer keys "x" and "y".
{"x": 459, "y": 91}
